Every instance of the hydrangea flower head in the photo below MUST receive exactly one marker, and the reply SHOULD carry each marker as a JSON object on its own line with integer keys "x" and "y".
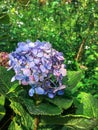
{"x": 36, "y": 64}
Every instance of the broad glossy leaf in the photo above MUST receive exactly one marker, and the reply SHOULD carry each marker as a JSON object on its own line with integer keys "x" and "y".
{"x": 74, "y": 77}
{"x": 61, "y": 102}
{"x": 23, "y": 119}
{"x": 2, "y": 109}
{"x": 88, "y": 105}
{"x": 75, "y": 122}
{"x": 14, "y": 125}
{"x": 42, "y": 108}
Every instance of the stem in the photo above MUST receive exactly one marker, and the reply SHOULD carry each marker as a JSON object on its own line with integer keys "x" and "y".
{"x": 36, "y": 123}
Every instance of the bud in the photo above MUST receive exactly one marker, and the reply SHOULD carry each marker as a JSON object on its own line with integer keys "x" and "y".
{"x": 4, "y": 59}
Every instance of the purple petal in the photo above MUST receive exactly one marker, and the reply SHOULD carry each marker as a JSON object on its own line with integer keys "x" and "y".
{"x": 40, "y": 54}
{"x": 31, "y": 64}
{"x": 43, "y": 69}
{"x": 47, "y": 46}
{"x": 36, "y": 61}
{"x": 34, "y": 51}
{"x": 36, "y": 77}
{"x": 26, "y": 72}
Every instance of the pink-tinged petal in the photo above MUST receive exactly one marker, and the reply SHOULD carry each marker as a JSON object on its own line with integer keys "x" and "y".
{"x": 23, "y": 82}
{"x": 46, "y": 55}
{"x": 63, "y": 71}
{"x": 40, "y": 54}
{"x": 59, "y": 88}
{"x": 56, "y": 73}
{"x": 47, "y": 45}
{"x": 26, "y": 72}
{"x": 31, "y": 77}
{"x": 36, "y": 61}
{"x": 41, "y": 78}
{"x": 60, "y": 57}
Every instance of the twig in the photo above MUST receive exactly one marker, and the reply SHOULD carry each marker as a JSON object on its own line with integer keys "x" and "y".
{"x": 81, "y": 48}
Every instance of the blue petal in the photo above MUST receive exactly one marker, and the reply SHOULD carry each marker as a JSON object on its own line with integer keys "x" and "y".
{"x": 31, "y": 92}
{"x": 39, "y": 90}
{"x": 51, "y": 95}
{"x": 60, "y": 92}
{"x": 19, "y": 77}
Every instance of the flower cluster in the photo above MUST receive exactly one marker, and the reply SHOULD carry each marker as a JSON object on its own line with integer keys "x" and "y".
{"x": 4, "y": 59}
{"x": 37, "y": 64}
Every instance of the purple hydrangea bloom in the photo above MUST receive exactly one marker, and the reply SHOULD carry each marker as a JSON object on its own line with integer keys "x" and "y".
{"x": 36, "y": 64}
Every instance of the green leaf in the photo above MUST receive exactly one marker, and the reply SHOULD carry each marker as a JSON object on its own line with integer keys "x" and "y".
{"x": 5, "y": 81}
{"x": 17, "y": 108}
{"x": 13, "y": 88}
{"x": 88, "y": 105}
{"x": 61, "y": 102}
{"x": 74, "y": 77}
{"x": 4, "y": 18}
{"x": 2, "y": 109}
{"x": 14, "y": 125}
{"x": 24, "y": 120}
{"x": 76, "y": 122}
{"x": 42, "y": 108}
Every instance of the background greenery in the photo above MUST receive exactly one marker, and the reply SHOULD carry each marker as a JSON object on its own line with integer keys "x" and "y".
{"x": 71, "y": 26}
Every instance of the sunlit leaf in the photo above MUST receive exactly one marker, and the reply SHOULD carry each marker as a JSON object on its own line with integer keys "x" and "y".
{"x": 2, "y": 109}
{"x": 74, "y": 77}
{"x": 75, "y": 122}
{"x": 88, "y": 105}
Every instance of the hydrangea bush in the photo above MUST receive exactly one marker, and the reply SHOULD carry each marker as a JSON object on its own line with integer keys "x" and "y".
{"x": 41, "y": 68}
{"x": 39, "y": 65}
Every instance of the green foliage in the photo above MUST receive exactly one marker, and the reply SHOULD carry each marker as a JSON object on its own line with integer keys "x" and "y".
{"x": 61, "y": 102}
{"x": 72, "y": 121}
{"x": 22, "y": 120}
{"x": 72, "y": 28}
{"x": 88, "y": 105}
{"x": 42, "y": 108}
{"x": 2, "y": 109}
{"x": 5, "y": 81}
{"x": 74, "y": 77}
